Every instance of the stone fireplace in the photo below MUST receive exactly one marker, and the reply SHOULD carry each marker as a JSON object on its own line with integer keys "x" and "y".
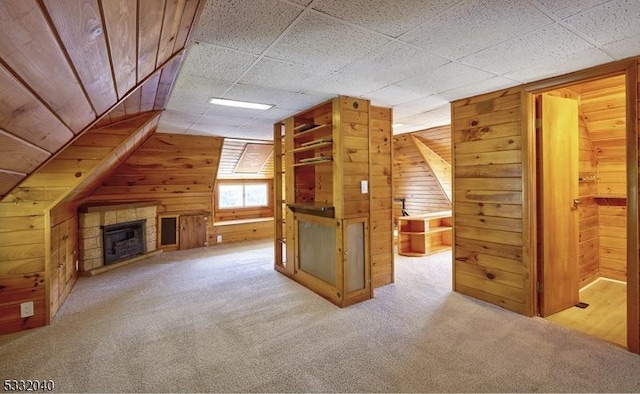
{"x": 110, "y": 234}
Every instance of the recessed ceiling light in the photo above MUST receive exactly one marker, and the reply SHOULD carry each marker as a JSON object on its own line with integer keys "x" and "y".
{"x": 240, "y": 104}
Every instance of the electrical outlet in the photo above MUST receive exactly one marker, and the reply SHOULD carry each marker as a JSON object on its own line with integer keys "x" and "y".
{"x": 26, "y": 309}
{"x": 219, "y": 238}
{"x": 364, "y": 186}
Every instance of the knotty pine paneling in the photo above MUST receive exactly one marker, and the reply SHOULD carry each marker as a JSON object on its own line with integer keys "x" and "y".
{"x": 68, "y": 62}
{"x": 589, "y": 267}
{"x": 414, "y": 180}
{"x": 613, "y": 241}
{"x": 488, "y": 209}
{"x": 438, "y": 139}
{"x": 25, "y": 43}
{"x": 179, "y": 171}
{"x": 380, "y": 189}
{"x": 240, "y": 231}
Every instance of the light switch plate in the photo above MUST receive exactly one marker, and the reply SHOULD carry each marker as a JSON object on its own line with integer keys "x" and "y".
{"x": 364, "y": 186}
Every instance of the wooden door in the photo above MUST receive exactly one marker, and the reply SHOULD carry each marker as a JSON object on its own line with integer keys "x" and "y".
{"x": 558, "y": 150}
{"x": 193, "y": 231}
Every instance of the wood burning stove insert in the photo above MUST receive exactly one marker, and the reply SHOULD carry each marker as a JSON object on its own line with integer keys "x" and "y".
{"x": 123, "y": 240}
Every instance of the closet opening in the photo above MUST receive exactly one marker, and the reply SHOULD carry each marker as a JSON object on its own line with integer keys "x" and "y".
{"x": 581, "y": 206}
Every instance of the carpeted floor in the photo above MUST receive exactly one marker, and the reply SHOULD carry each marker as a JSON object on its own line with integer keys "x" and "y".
{"x": 222, "y": 320}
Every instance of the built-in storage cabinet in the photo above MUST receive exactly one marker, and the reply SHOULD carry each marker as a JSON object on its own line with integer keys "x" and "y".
{"x": 325, "y": 219}
{"x": 424, "y": 234}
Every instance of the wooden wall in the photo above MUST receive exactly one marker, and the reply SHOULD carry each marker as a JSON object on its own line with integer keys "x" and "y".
{"x": 38, "y": 247}
{"x": 489, "y": 260}
{"x": 65, "y": 64}
{"x": 438, "y": 139}
{"x": 380, "y": 188}
{"x": 589, "y": 269}
{"x": 179, "y": 171}
{"x": 240, "y": 231}
{"x": 413, "y": 178}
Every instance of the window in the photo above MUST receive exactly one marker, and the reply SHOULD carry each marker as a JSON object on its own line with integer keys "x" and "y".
{"x": 243, "y": 195}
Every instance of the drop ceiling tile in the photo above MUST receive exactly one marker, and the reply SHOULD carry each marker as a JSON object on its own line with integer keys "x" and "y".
{"x": 418, "y": 106}
{"x": 544, "y": 47}
{"x": 472, "y": 26}
{"x": 276, "y": 74}
{"x": 446, "y": 77}
{"x": 319, "y": 41}
{"x": 624, "y": 48}
{"x": 480, "y": 87}
{"x": 567, "y": 8}
{"x": 222, "y": 110}
{"x": 440, "y": 116}
{"x": 609, "y": 22}
{"x": 220, "y": 120}
{"x": 177, "y": 116}
{"x": 187, "y": 105}
{"x": 392, "y": 95}
{"x": 200, "y": 90}
{"x": 252, "y": 133}
{"x": 302, "y": 101}
{"x": 581, "y": 60}
{"x": 213, "y": 62}
{"x": 258, "y": 94}
{"x": 394, "y": 62}
{"x": 271, "y": 116}
{"x": 392, "y": 18}
{"x": 210, "y": 130}
{"x": 348, "y": 83}
{"x": 246, "y": 25}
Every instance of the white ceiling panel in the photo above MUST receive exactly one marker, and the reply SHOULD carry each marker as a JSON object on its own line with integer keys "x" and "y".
{"x": 319, "y": 41}
{"x": 446, "y": 77}
{"x": 567, "y": 8}
{"x": 484, "y": 86}
{"x": 252, "y": 133}
{"x": 246, "y": 25}
{"x": 418, "y": 106}
{"x": 476, "y": 25}
{"x": 282, "y": 75}
{"x": 609, "y": 22}
{"x": 394, "y": 62}
{"x": 543, "y": 47}
{"x": 392, "y": 18}
{"x": 591, "y": 57}
{"x": 258, "y": 94}
{"x": 436, "y": 117}
{"x": 411, "y": 55}
{"x": 624, "y": 48}
{"x": 213, "y": 62}
{"x": 302, "y": 101}
{"x": 392, "y": 95}
{"x": 187, "y": 105}
{"x": 347, "y": 83}
{"x": 199, "y": 90}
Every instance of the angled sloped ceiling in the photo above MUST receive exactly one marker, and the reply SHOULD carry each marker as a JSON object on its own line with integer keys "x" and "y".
{"x": 64, "y": 64}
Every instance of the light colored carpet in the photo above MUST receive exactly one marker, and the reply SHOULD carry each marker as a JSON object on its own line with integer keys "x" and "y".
{"x": 222, "y": 320}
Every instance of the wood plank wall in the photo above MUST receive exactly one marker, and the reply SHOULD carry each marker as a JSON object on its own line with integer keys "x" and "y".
{"x": 438, "y": 139}
{"x": 413, "y": 178}
{"x": 488, "y": 210}
{"x": 66, "y": 63}
{"x": 38, "y": 246}
{"x": 179, "y": 171}
{"x": 380, "y": 188}
{"x": 354, "y": 159}
{"x": 589, "y": 268}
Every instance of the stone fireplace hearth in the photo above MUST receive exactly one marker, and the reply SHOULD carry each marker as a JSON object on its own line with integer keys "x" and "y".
{"x": 94, "y": 218}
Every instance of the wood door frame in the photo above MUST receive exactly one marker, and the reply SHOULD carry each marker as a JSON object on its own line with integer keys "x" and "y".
{"x": 629, "y": 68}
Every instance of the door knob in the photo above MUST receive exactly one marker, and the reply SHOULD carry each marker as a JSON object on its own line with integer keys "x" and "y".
{"x": 576, "y": 202}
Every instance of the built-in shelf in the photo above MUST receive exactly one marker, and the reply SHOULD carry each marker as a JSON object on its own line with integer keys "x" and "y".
{"x": 307, "y": 129}
{"x": 313, "y": 209}
{"x": 313, "y": 161}
{"x": 614, "y": 200}
{"x": 424, "y": 234}
{"x": 312, "y": 145}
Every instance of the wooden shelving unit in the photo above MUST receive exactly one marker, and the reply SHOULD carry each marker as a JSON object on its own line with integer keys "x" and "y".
{"x": 327, "y": 214}
{"x": 425, "y": 234}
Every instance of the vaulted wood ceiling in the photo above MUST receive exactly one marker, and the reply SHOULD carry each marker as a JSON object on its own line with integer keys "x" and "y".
{"x": 69, "y": 65}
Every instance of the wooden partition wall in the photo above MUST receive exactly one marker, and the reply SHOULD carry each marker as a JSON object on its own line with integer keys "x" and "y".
{"x": 495, "y": 257}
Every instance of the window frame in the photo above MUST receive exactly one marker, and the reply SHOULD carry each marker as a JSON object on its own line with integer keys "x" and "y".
{"x": 244, "y": 182}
